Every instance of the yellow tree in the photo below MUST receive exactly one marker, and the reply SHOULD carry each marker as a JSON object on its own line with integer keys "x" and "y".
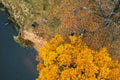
{"x": 74, "y": 60}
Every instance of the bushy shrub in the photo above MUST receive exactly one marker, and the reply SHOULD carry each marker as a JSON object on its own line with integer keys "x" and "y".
{"x": 74, "y": 60}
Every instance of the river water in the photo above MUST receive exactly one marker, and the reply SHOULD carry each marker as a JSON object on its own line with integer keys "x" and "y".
{"x": 16, "y": 62}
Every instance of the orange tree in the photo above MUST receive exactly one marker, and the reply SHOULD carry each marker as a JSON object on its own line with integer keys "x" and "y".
{"x": 74, "y": 60}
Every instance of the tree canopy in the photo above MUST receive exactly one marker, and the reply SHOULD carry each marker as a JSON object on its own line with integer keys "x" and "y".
{"x": 74, "y": 60}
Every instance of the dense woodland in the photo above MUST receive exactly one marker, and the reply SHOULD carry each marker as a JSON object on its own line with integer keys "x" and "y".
{"x": 74, "y": 60}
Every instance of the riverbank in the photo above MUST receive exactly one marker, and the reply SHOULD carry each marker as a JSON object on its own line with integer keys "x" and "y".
{"x": 22, "y": 23}
{"x": 17, "y": 63}
{"x": 40, "y": 20}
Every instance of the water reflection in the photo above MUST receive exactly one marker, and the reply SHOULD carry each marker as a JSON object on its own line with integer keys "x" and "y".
{"x": 16, "y": 63}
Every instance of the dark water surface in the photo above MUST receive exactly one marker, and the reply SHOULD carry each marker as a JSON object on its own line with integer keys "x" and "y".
{"x": 16, "y": 62}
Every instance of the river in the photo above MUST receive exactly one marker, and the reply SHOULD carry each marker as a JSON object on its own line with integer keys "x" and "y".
{"x": 16, "y": 62}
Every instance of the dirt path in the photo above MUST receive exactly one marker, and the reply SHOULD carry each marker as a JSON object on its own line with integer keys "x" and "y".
{"x": 38, "y": 41}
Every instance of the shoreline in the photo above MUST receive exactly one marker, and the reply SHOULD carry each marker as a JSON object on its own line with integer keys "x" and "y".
{"x": 11, "y": 19}
{"x": 21, "y": 34}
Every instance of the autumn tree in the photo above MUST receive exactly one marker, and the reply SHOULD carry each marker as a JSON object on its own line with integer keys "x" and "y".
{"x": 74, "y": 60}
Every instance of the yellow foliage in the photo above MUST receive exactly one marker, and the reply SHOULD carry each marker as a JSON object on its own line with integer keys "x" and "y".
{"x": 74, "y": 60}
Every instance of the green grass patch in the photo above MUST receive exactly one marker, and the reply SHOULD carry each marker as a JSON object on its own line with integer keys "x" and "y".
{"x": 2, "y": 7}
{"x": 23, "y": 42}
{"x": 45, "y": 4}
{"x": 56, "y": 22}
{"x": 28, "y": 1}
